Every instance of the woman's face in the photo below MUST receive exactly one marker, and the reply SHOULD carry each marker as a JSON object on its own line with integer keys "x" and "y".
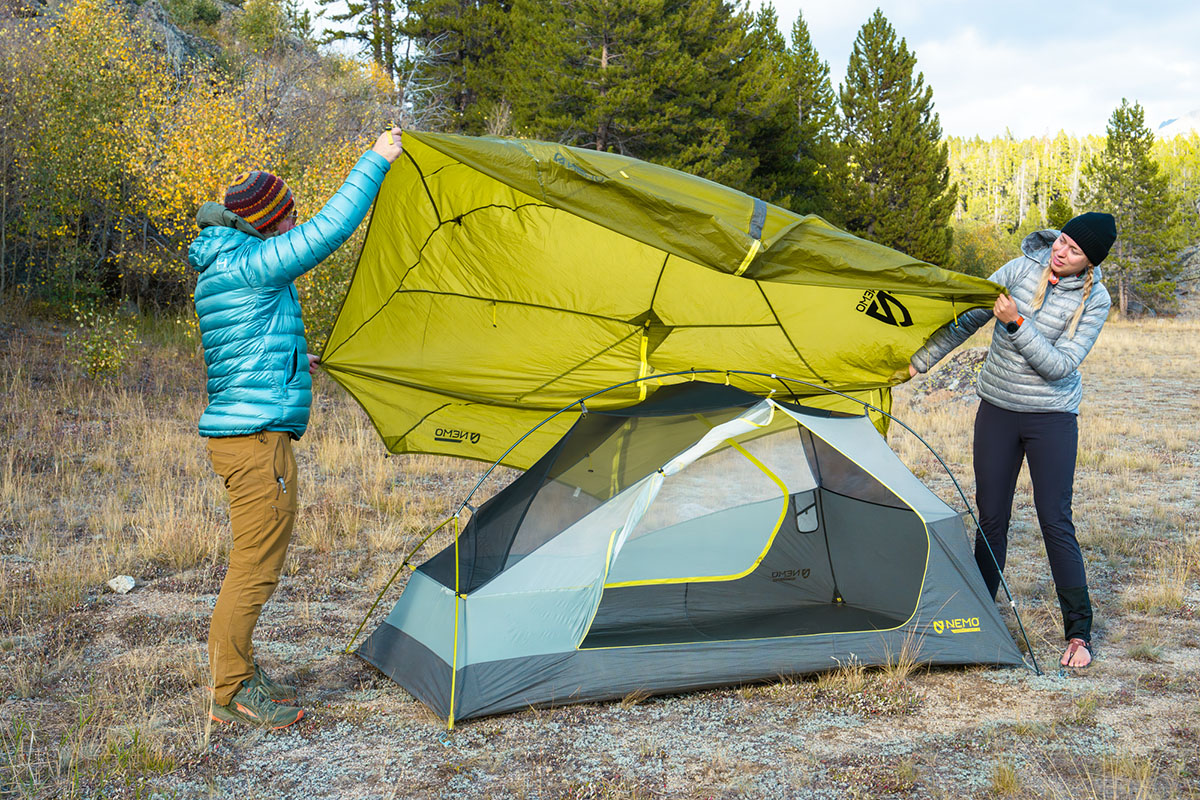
{"x": 1066, "y": 258}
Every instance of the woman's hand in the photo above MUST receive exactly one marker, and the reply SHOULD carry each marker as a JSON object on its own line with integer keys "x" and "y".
{"x": 1005, "y": 309}
{"x": 388, "y": 144}
{"x": 904, "y": 374}
{"x": 313, "y": 360}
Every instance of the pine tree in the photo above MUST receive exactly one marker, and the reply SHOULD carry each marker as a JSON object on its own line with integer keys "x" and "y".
{"x": 764, "y": 126}
{"x": 816, "y": 117}
{"x": 1059, "y": 213}
{"x": 461, "y": 44}
{"x": 898, "y": 191}
{"x": 592, "y": 83}
{"x": 1179, "y": 158}
{"x": 1124, "y": 180}
{"x": 683, "y": 83}
{"x": 374, "y": 28}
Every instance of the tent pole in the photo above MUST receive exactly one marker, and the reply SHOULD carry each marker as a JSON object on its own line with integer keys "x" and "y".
{"x": 454, "y": 660}
{"x": 406, "y": 562}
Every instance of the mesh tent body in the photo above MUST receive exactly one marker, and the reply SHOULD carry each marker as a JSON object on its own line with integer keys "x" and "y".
{"x": 502, "y": 279}
{"x": 704, "y": 537}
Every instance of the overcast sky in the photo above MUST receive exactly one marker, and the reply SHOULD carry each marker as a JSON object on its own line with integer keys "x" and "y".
{"x": 1033, "y": 67}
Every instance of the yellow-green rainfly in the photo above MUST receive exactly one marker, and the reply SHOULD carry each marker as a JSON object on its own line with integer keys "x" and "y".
{"x": 503, "y": 279}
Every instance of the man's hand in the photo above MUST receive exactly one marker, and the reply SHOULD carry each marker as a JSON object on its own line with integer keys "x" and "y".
{"x": 1005, "y": 309}
{"x": 312, "y": 363}
{"x": 388, "y": 144}
{"x": 912, "y": 371}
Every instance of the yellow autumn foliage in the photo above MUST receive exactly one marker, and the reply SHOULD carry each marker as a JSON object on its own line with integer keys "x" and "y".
{"x": 112, "y": 147}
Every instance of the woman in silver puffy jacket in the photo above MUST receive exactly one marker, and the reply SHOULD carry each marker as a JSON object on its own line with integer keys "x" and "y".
{"x": 1029, "y": 392}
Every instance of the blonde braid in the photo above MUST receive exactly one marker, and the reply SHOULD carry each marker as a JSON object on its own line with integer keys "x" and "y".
{"x": 1087, "y": 292}
{"x": 1040, "y": 295}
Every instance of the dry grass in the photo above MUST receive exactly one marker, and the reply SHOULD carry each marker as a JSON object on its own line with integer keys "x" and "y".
{"x": 849, "y": 678}
{"x": 1164, "y": 590}
{"x": 101, "y": 479}
{"x": 905, "y": 662}
{"x": 1123, "y": 775}
{"x": 634, "y": 698}
{"x": 1006, "y": 779}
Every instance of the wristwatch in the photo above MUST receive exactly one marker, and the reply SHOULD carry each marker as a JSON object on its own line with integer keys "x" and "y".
{"x": 1014, "y": 326}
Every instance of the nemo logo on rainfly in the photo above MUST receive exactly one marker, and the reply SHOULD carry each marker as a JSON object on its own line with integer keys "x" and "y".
{"x": 885, "y": 308}
{"x": 455, "y": 436}
{"x": 960, "y": 625}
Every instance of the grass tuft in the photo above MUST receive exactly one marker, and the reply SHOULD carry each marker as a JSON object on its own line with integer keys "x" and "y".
{"x": 1005, "y": 780}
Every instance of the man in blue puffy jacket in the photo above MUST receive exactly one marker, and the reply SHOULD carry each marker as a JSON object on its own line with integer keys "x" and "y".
{"x": 248, "y": 254}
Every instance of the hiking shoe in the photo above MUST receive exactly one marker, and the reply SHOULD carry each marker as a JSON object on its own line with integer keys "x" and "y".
{"x": 252, "y": 706}
{"x": 276, "y": 692}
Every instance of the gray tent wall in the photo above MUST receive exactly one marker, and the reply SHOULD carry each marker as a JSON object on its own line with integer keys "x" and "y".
{"x": 862, "y": 561}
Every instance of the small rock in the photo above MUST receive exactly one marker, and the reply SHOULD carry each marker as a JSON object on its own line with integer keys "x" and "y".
{"x": 122, "y": 584}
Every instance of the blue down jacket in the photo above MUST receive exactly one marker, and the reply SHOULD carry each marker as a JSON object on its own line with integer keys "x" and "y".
{"x": 250, "y": 323}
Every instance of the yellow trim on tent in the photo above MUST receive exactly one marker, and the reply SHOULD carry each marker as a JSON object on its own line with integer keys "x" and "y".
{"x": 924, "y": 522}
{"x": 750, "y": 254}
{"x": 596, "y": 608}
{"x": 643, "y": 364}
{"x": 916, "y": 605}
{"x": 714, "y": 578}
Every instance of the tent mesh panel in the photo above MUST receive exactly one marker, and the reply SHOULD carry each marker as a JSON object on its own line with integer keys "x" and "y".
{"x": 601, "y": 455}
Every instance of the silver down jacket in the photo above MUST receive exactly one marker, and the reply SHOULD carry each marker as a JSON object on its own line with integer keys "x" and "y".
{"x": 1037, "y": 368}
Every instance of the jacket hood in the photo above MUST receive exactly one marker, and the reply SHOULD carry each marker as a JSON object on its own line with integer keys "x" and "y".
{"x": 1037, "y": 246}
{"x": 220, "y": 230}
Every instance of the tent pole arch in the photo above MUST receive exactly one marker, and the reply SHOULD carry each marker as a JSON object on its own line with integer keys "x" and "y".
{"x": 782, "y": 379}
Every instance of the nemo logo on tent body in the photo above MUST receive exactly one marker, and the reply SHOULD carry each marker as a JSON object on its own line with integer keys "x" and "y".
{"x": 970, "y": 625}
{"x": 789, "y": 574}
{"x": 455, "y": 436}
{"x": 884, "y": 307}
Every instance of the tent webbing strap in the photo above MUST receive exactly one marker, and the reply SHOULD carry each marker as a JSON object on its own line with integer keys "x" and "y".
{"x": 458, "y": 598}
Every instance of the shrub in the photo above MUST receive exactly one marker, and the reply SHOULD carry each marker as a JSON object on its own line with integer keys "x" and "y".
{"x": 103, "y": 342}
{"x": 978, "y": 249}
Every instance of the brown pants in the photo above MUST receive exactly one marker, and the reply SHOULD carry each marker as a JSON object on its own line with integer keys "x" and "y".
{"x": 260, "y": 474}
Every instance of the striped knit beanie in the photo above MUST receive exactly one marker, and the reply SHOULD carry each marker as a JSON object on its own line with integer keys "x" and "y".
{"x": 260, "y": 198}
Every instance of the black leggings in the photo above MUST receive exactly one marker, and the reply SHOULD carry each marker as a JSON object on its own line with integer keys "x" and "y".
{"x": 1049, "y": 441}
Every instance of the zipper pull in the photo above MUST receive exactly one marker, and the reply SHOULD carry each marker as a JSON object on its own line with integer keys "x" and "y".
{"x": 282, "y": 485}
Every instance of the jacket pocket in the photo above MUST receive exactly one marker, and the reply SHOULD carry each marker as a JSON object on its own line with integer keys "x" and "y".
{"x": 292, "y": 367}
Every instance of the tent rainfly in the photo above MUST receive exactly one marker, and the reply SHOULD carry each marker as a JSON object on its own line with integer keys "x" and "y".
{"x": 503, "y": 279}
{"x": 704, "y": 537}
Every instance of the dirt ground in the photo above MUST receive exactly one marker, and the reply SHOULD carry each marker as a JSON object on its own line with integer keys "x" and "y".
{"x": 103, "y": 696}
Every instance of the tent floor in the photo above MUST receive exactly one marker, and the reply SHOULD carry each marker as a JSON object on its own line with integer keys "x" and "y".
{"x": 803, "y": 621}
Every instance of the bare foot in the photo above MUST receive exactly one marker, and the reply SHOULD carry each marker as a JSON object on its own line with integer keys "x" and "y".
{"x": 1078, "y": 654}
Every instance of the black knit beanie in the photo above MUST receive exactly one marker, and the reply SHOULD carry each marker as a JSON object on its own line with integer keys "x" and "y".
{"x": 1094, "y": 232}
